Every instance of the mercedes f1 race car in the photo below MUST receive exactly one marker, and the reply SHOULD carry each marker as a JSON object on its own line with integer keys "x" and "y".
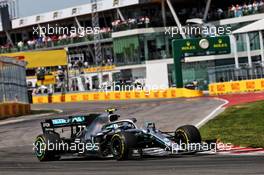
{"x": 104, "y": 136}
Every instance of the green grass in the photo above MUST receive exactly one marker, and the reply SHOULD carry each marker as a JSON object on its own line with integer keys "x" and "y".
{"x": 240, "y": 125}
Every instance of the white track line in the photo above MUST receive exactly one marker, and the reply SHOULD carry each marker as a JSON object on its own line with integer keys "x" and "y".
{"x": 211, "y": 115}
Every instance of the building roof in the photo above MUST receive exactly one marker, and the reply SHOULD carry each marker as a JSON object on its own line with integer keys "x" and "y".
{"x": 102, "y": 5}
{"x": 253, "y": 27}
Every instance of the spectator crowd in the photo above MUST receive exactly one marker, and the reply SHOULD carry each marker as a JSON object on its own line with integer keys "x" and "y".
{"x": 50, "y": 40}
{"x": 143, "y": 21}
{"x": 216, "y": 13}
{"x": 239, "y": 10}
{"x": 236, "y": 10}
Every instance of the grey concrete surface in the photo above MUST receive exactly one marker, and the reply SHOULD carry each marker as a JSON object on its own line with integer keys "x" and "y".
{"x": 16, "y": 142}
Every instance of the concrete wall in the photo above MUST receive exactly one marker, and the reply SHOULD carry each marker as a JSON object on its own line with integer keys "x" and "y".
{"x": 157, "y": 74}
{"x": 13, "y": 110}
{"x": 117, "y": 95}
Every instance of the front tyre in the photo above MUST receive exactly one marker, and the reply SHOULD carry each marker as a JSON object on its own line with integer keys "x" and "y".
{"x": 189, "y": 136}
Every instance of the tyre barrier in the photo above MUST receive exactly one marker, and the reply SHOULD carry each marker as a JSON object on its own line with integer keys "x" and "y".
{"x": 236, "y": 87}
{"x": 13, "y": 110}
{"x": 117, "y": 95}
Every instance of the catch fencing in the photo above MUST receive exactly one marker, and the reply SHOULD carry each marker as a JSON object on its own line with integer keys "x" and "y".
{"x": 13, "y": 85}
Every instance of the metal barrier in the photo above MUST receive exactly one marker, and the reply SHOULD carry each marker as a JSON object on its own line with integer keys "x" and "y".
{"x": 13, "y": 86}
{"x": 230, "y": 73}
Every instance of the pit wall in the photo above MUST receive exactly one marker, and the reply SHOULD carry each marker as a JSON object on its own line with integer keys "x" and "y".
{"x": 13, "y": 110}
{"x": 236, "y": 87}
{"x": 123, "y": 95}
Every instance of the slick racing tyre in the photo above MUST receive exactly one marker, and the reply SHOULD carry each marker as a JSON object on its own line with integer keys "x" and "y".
{"x": 121, "y": 144}
{"x": 42, "y": 150}
{"x": 187, "y": 135}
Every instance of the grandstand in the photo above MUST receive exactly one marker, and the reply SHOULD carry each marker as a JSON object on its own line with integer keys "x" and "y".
{"x": 134, "y": 43}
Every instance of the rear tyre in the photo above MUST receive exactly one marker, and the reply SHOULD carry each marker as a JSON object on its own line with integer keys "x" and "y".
{"x": 188, "y": 135}
{"x": 122, "y": 144}
{"x": 42, "y": 142}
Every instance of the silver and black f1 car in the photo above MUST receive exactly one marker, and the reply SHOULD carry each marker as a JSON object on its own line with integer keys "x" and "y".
{"x": 104, "y": 135}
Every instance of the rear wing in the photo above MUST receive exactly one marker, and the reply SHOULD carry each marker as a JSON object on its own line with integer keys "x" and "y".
{"x": 70, "y": 121}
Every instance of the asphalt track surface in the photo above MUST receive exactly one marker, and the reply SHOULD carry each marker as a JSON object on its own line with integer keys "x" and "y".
{"x": 16, "y": 154}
